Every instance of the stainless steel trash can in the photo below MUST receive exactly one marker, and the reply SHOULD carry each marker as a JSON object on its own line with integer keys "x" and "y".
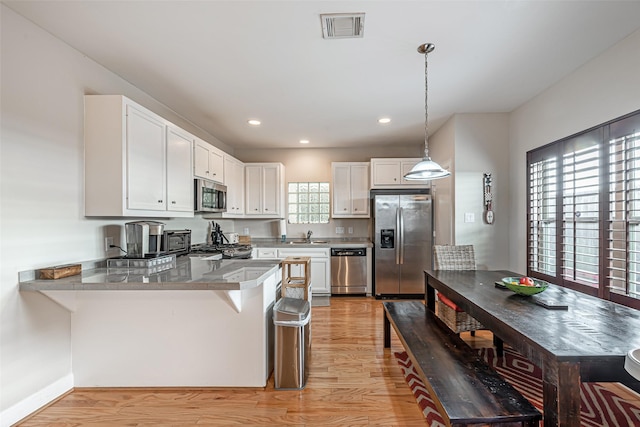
{"x": 291, "y": 317}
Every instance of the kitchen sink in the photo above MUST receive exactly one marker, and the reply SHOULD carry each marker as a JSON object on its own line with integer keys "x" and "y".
{"x": 304, "y": 242}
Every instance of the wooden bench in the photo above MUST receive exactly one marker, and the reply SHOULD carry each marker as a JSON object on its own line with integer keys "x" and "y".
{"x": 465, "y": 389}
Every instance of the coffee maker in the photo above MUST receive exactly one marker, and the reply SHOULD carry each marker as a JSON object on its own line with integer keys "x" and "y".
{"x": 144, "y": 238}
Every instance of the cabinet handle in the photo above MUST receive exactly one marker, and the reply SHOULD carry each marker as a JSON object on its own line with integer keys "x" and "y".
{"x": 344, "y": 209}
{"x": 159, "y": 201}
{"x": 395, "y": 179}
{"x": 207, "y": 172}
{"x": 173, "y": 202}
{"x": 255, "y": 209}
{"x": 355, "y": 209}
{"x": 214, "y": 174}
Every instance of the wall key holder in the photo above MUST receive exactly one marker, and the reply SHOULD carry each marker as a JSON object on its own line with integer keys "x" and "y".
{"x": 489, "y": 216}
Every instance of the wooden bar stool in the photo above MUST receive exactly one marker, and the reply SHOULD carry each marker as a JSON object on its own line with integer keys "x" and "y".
{"x": 296, "y": 277}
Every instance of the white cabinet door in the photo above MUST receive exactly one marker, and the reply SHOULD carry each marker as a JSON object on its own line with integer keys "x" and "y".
{"x": 264, "y": 190}
{"x": 350, "y": 190}
{"x": 271, "y": 190}
{"x": 253, "y": 189}
{"x": 320, "y": 276}
{"x": 238, "y": 185}
{"x": 216, "y": 165}
{"x": 386, "y": 172}
{"x": 341, "y": 190}
{"x": 146, "y": 160}
{"x": 209, "y": 161}
{"x": 200, "y": 160}
{"x": 405, "y": 167}
{"x": 234, "y": 180}
{"x": 360, "y": 190}
{"x": 179, "y": 177}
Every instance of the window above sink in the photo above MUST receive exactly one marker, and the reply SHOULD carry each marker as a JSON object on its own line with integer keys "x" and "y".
{"x": 309, "y": 203}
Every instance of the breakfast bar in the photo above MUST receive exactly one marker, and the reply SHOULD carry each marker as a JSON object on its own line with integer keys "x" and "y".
{"x": 571, "y": 336}
{"x": 201, "y": 323}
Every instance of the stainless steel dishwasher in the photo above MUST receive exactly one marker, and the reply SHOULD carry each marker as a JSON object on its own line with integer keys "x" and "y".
{"x": 348, "y": 271}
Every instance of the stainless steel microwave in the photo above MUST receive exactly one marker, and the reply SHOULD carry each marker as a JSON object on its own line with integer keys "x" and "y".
{"x": 210, "y": 196}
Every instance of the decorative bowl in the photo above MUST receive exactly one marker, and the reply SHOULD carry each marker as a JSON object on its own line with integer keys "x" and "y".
{"x": 513, "y": 284}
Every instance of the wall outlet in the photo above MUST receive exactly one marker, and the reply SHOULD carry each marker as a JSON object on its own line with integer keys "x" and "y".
{"x": 339, "y": 230}
{"x": 245, "y": 231}
{"x": 350, "y": 230}
{"x": 108, "y": 241}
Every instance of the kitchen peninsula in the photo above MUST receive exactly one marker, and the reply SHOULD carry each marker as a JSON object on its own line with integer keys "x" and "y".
{"x": 202, "y": 323}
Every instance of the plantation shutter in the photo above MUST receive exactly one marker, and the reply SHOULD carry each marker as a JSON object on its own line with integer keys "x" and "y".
{"x": 623, "y": 228}
{"x": 543, "y": 181}
{"x": 581, "y": 208}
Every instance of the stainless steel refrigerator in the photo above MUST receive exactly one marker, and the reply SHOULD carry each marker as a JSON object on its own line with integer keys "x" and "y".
{"x": 403, "y": 241}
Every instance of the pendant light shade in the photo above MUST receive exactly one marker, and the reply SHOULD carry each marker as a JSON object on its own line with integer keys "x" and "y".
{"x": 426, "y": 169}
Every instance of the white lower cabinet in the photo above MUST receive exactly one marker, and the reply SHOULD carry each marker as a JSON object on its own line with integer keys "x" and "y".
{"x": 320, "y": 267}
{"x": 320, "y": 264}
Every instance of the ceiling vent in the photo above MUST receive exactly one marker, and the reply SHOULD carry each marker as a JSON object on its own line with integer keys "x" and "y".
{"x": 342, "y": 25}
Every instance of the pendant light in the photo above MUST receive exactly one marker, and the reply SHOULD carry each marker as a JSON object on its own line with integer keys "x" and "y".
{"x": 426, "y": 169}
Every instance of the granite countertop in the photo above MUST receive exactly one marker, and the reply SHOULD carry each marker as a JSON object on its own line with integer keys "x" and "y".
{"x": 190, "y": 273}
{"x": 319, "y": 242}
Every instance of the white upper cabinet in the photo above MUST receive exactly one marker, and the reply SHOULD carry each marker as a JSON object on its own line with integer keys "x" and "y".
{"x": 389, "y": 173}
{"x": 179, "y": 177}
{"x": 146, "y": 160}
{"x": 208, "y": 161}
{"x": 350, "y": 189}
{"x": 234, "y": 180}
{"x": 264, "y": 190}
{"x": 136, "y": 162}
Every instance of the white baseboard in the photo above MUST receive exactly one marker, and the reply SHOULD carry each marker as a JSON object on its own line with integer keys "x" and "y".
{"x": 36, "y": 401}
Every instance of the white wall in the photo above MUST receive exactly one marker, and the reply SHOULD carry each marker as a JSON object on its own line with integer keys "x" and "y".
{"x": 482, "y": 145}
{"x": 442, "y": 150}
{"x": 41, "y": 202}
{"x": 470, "y": 145}
{"x": 603, "y": 89}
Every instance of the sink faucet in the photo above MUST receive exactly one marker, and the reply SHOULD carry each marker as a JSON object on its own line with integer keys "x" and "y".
{"x": 309, "y": 233}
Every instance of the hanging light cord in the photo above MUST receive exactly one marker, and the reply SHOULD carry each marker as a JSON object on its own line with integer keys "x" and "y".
{"x": 426, "y": 169}
{"x": 426, "y": 108}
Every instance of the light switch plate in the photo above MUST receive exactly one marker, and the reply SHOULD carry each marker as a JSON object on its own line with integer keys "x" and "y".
{"x": 469, "y": 217}
{"x": 339, "y": 230}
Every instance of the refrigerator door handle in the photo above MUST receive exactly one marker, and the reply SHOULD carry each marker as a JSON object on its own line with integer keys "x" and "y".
{"x": 397, "y": 242}
{"x": 401, "y": 233}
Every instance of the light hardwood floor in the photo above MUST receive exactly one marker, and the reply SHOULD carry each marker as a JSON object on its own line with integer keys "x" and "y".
{"x": 353, "y": 381}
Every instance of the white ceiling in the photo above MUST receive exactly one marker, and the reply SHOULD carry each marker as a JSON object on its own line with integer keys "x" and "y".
{"x": 219, "y": 63}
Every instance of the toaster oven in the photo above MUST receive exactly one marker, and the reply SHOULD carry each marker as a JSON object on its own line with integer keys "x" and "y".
{"x": 176, "y": 242}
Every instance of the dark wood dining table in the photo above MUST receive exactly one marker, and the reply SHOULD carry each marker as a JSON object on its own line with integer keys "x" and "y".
{"x": 586, "y": 341}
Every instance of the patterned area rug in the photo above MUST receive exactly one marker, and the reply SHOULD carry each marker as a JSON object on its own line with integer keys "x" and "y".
{"x": 600, "y": 407}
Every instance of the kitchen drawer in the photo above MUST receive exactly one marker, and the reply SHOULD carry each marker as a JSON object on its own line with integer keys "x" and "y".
{"x": 313, "y": 252}
{"x": 267, "y": 253}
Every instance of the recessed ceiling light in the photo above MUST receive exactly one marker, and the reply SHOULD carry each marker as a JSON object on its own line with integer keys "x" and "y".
{"x": 254, "y": 122}
{"x": 304, "y": 141}
{"x": 384, "y": 120}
